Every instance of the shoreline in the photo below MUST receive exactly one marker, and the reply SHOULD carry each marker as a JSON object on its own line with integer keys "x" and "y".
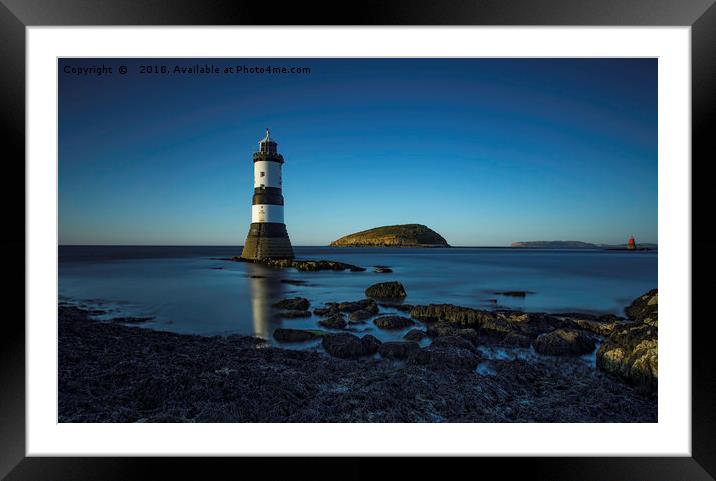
{"x": 110, "y": 372}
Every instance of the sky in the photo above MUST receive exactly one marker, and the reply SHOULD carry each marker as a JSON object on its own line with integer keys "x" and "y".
{"x": 484, "y": 151}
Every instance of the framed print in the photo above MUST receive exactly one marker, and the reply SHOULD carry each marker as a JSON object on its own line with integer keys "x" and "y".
{"x": 301, "y": 234}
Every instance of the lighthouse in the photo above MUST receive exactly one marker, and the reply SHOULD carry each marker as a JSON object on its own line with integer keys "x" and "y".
{"x": 268, "y": 238}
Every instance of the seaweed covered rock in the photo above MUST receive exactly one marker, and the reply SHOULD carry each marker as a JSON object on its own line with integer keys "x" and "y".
{"x": 296, "y": 303}
{"x": 360, "y": 315}
{"x": 393, "y": 322}
{"x": 386, "y": 290}
{"x": 492, "y": 327}
{"x": 631, "y": 351}
{"x": 303, "y": 264}
{"x": 645, "y": 308}
{"x": 334, "y": 322}
{"x": 463, "y": 316}
{"x": 564, "y": 342}
{"x": 361, "y": 305}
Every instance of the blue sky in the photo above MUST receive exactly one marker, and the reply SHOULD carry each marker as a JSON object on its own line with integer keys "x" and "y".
{"x": 484, "y": 151}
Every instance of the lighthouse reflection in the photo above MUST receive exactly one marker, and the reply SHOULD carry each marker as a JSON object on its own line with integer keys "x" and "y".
{"x": 266, "y": 288}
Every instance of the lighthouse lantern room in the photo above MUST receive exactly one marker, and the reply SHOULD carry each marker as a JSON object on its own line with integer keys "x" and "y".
{"x": 268, "y": 238}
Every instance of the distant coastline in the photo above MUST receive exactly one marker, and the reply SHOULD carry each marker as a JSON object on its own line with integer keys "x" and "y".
{"x": 578, "y": 245}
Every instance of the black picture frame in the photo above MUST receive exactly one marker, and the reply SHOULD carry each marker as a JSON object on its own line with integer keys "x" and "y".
{"x": 16, "y": 15}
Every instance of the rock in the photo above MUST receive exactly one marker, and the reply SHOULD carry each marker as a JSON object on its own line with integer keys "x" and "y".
{"x": 296, "y": 303}
{"x": 370, "y": 344}
{"x": 415, "y": 335}
{"x": 645, "y": 308}
{"x": 303, "y": 265}
{"x": 516, "y": 340}
{"x": 386, "y": 290}
{"x": 333, "y": 322}
{"x": 397, "y": 349}
{"x": 360, "y": 315}
{"x": 393, "y": 322}
{"x": 446, "y": 319}
{"x": 383, "y": 270}
{"x": 445, "y": 357}
{"x": 295, "y": 335}
{"x": 345, "y": 345}
{"x": 293, "y": 314}
{"x": 404, "y": 235}
{"x": 601, "y": 327}
{"x": 564, "y": 342}
{"x": 464, "y": 316}
{"x": 631, "y": 350}
{"x": 293, "y": 282}
{"x": 364, "y": 304}
{"x": 453, "y": 341}
{"x": 330, "y": 309}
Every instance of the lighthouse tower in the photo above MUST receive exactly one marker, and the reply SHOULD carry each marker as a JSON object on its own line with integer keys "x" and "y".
{"x": 268, "y": 238}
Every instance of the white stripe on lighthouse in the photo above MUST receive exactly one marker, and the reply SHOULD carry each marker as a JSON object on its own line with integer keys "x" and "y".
{"x": 267, "y": 213}
{"x": 271, "y": 174}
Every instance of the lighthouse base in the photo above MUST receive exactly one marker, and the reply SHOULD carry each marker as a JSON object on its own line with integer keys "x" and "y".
{"x": 267, "y": 240}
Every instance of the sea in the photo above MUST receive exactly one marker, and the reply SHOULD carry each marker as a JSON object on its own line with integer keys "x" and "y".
{"x": 190, "y": 289}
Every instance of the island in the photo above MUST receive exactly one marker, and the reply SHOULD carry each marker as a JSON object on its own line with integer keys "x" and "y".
{"x": 404, "y": 235}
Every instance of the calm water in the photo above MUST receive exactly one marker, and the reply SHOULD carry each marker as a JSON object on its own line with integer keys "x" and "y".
{"x": 185, "y": 292}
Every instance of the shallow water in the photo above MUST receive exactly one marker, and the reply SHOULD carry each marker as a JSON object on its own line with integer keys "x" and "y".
{"x": 187, "y": 291}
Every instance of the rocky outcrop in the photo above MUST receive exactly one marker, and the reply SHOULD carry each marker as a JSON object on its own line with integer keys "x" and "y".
{"x": 393, "y": 322}
{"x": 493, "y": 327}
{"x": 631, "y": 350}
{"x": 349, "y": 346}
{"x": 296, "y": 303}
{"x": 303, "y": 264}
{"x": 403, "y": 235}
{"x": 645, "y": 308}
{"x": 564, "y": 342}
{"x": 295, "y": 335}
{"x": 386, "y": 290}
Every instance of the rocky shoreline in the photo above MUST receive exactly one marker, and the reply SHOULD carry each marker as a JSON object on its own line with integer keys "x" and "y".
{"x": 110, "y": 372}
